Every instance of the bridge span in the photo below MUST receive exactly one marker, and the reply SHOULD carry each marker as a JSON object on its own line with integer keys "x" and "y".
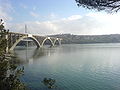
{"x": 14, "y": 38}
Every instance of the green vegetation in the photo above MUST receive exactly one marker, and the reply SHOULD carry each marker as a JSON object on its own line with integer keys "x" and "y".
{"x": 85, "y": 39}
{"x": 107, "y": 5}
{"x": 9, "y": 71}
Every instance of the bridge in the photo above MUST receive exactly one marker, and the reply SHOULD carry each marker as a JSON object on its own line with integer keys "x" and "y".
{"x": 14, "y": 38}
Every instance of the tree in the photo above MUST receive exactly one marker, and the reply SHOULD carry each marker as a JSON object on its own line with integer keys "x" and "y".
{"x": 9, "y": 72}
{"x": 107, "y": 5}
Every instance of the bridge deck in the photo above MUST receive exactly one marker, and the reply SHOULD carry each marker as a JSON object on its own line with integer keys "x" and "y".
{"x": 14, "y": 38}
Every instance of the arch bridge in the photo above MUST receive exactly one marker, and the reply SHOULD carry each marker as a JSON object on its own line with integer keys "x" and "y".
{"x": 15, "y": 38}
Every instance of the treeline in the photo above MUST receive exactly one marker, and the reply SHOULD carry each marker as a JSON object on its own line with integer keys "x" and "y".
{"x": 85, "y": 39}
{"x": 10, "y": 72}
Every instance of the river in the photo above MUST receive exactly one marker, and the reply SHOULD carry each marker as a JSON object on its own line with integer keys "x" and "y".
{"x": 74, "y": 67}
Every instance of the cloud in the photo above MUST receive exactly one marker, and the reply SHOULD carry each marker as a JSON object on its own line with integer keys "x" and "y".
{"x": 34, "y": 8}
{"x": 23, "y": 6}
{"x": 74, "y": 17}
{"x": 89, "y": 24}
{"x": 5, "y": 10}
{"x": 33, "y": 14}
{"x": 109, "y": 23}
{"x": 42, "y": 28}
{"x": 52, "y": 16}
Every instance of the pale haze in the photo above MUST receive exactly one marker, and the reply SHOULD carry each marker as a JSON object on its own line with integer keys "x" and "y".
{"x": 46, "y": 17}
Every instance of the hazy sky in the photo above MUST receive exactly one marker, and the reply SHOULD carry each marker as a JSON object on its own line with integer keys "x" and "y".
{"x": 55, "y": 17}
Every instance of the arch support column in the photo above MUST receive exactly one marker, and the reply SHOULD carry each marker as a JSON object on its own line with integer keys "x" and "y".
{"x": 20, "y": 39}
{"x": 48, "y": 38}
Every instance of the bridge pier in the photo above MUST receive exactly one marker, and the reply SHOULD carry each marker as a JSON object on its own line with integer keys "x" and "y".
{"x": 7, "y": 48}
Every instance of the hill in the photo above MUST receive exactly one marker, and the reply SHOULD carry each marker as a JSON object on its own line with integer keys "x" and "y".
{"x": 85, "y": 39}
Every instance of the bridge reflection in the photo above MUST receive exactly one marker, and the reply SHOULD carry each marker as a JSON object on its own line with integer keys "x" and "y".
{"x": 28, "y": 55}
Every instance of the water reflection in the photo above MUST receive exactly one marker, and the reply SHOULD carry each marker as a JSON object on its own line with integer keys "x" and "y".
{"x": 28, "y": 55}
{"x": 74, "y": 67}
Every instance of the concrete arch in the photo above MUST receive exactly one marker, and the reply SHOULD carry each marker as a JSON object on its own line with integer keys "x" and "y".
{"x": 47, "y": 38}
{"x": 23, "y": 37}
{"x": 59, "y": 41}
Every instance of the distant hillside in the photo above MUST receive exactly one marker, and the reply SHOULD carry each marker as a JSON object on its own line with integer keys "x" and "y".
{"x": 84, "y": 39}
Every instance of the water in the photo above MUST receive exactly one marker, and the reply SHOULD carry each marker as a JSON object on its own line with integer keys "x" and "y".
{"x": 74, "y": 67}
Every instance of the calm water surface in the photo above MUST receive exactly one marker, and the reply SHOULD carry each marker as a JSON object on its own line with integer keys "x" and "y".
{"x": 74, "y": 67}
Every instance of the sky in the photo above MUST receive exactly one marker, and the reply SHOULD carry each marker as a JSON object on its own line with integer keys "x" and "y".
{"x": 48, "y": 17}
